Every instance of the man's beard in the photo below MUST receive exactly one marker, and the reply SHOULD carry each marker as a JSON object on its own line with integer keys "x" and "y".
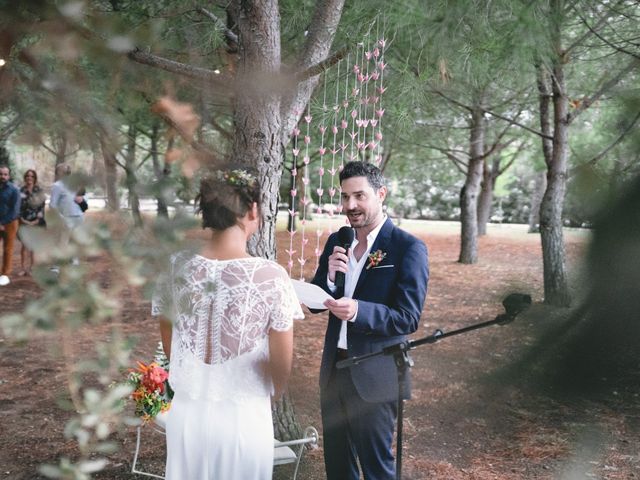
{"x": 362, "y": 220}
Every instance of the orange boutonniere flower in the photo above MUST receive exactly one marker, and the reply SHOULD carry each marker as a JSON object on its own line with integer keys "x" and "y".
{"x": 375, "y": 258}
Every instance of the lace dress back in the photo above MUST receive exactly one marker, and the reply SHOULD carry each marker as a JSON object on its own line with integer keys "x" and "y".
{"x": 222, "y": 311}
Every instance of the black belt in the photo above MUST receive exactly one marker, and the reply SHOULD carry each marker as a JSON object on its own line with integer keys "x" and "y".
{"x": 342, "y": 354}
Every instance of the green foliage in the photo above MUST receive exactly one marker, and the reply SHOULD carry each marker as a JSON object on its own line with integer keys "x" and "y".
{"x": 74, "y": 298}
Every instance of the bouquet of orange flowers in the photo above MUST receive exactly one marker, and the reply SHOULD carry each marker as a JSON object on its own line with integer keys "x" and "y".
{"x": 152, "y": 393}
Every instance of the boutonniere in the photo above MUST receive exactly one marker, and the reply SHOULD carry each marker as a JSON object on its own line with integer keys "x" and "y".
{"x": 375, "y": 258}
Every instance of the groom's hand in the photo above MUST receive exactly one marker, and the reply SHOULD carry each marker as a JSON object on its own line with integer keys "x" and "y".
{"x": 344, "y": 308}
{"x": 337, "y": 262}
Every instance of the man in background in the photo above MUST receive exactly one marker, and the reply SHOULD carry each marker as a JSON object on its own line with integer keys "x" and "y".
{"x": 66, "y": 202}
{"x": 9, "y": 213}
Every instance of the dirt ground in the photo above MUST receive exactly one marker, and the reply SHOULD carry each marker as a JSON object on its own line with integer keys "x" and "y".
{"x": 489, "y": 404}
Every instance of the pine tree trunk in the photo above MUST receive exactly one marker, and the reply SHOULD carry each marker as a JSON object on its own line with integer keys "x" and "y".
{"x": 556, "y": 288}
{"x": 110, "y": 175}
{"x": 131, "y": 178}
{"x": 470, "y": 191}
{"x": 485, "y": 201}
{"x": 285, "y": 425}
{"x": 536, "y": 199}
{"x": 259, "y": 131}
{"x": 161, "y": 173}
{"x": 257, "y": 121}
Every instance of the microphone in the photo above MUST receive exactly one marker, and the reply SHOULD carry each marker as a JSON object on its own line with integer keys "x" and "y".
{"x": 345, "y": 238}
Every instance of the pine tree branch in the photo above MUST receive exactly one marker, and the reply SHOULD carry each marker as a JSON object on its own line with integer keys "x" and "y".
{"x": 228, "y": 33}
{"x": 459, "y": 164}
{"x": 591, "y": 31}
{"x": 518, "y": 124}
{"x": 624, "y": 133}
{"x": 607, "y": 42}
{"x": 46, "y": 147}
{"x": 514, "y": 157}
{"x": 500, "y": 136}
{"x": 322, "y": 66}
{"x": 11, "y": 126}
{"x": 220, "y": 129}
{"x": 453, "y": 100}
{"x": 322, "y": 30}
{"x": 606, "y": 86}
{"x": 183, "y": 69}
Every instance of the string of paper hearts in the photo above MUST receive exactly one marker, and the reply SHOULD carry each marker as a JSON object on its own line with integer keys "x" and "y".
{"x": 350, "y": 129}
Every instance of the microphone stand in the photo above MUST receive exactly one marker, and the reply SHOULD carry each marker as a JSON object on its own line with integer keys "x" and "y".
{"x": 514, "y": 304}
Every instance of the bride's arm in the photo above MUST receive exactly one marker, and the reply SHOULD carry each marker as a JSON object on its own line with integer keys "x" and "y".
{"x": 280, "y": 359}
{"x": 165, "y": 335}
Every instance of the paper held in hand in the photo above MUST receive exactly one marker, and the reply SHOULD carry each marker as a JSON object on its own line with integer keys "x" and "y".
{"x": 309, "y": 294}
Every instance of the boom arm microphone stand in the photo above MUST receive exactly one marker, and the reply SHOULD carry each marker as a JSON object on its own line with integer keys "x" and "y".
{"x": 514, "y": 304}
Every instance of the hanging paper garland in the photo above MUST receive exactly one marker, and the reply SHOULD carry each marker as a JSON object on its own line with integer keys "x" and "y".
{"x": 355, "y": 121}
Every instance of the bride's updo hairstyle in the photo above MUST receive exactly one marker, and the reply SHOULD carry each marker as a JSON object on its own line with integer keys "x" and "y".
{"x": 227, "y": 195}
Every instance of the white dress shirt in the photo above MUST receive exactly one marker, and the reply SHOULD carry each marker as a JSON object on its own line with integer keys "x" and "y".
{"x": 354, "y": 268}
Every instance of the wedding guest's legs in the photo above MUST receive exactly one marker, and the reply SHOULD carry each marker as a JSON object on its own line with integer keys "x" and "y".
{"x": 10, "y": 231}
{"x": 339, "y": 456}
{"x": 24, "y": 254}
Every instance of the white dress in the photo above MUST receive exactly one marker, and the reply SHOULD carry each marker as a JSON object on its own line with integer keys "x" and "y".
{"x": 219, "y": 425}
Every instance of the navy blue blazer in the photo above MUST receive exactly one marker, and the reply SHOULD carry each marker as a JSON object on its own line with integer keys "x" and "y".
{"x": 390, "y": 299}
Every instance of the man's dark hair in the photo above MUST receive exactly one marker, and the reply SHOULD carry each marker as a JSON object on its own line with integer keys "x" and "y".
{"x": 362, "y": 169}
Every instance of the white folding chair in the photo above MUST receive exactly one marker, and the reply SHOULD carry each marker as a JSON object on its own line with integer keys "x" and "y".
{"x": 283, "y": 453}
{"x": 158, "y": 426}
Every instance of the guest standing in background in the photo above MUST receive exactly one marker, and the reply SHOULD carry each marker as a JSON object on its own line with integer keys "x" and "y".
{"x": 9, "y": 213}
{"x": 32, "y": 200}
{"x": 66, "y": 202}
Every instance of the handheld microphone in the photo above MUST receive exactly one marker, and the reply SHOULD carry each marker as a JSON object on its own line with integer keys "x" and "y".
{"x": 345, "y": 239}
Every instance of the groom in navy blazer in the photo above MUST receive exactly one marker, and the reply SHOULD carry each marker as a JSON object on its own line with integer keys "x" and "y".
{"x": 385, "y": 285}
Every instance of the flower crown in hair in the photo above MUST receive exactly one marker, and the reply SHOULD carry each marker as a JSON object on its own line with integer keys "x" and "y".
{"x": 235, "y": 178}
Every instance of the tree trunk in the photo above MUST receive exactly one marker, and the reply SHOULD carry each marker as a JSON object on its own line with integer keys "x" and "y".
{"x": 321, "y": 31}
{"x": 489, "y": 176}
{"x": 60, "y": 144}
{"x": 161, "y": 173}
{"x": 285, "y": 425}
{"x": 256, "y": 119}
{"x": 131, "y": 178}
{"x": 536, "y": 199}
{"x": 259, "y": 136}
{"x": 470, "y": 191}
{"x": 110, "y": 174}
{"x": 556, "y": 289}
{"x": 97, "y": 166}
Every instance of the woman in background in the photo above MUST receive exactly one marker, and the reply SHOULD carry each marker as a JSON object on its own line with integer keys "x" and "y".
{"x": 31, "y": 217}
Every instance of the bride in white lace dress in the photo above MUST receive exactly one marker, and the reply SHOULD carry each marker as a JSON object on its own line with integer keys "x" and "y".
{"x": 226, "y": 321}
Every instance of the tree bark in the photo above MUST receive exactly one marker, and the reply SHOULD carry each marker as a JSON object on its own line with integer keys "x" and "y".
{"x": 536, "y": 199}
{"x": 161, "y": 172}
{"x": 489, "y": 176}
{"x": 259, "y": 133}
{"x": 131, "y": 178}
{"x": 471, "y": 189}
{"x": 285, "y": 425}
{"x": 110, "y": 174}
{"x": 322, "y": 30}
{"x": 256, "y": 119}
{"x": 556, "y": 288}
